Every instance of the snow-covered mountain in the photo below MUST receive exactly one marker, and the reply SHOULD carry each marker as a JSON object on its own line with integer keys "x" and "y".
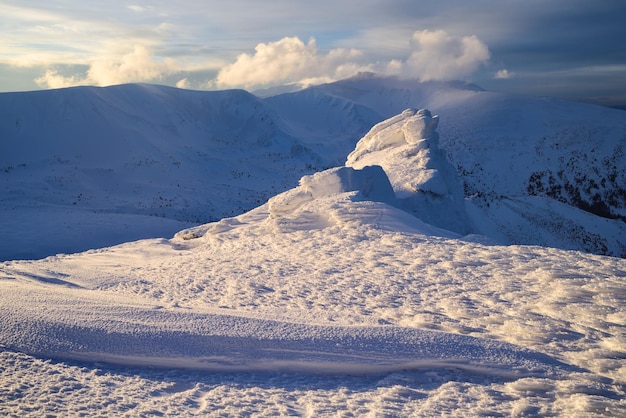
{"x": 87, "y": 167}
{"x": 374, "y": 284}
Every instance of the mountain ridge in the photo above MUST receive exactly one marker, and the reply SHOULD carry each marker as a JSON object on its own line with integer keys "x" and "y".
{"x": 178, "y": 157}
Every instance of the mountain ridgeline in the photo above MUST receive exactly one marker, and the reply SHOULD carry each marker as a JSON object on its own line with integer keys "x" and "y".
{"x": 87, "y": 167}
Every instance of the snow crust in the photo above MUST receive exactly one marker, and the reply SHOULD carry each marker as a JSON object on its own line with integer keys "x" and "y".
{"x": 128, "y": 333}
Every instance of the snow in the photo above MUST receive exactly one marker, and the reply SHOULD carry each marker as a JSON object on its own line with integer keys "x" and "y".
{"x": 406, "y": 147}
{"x": 221, "y": 342}
{"x": 175, "y": 158}
{"x": 375, "y": 288}
{"x": 366, "y": 314}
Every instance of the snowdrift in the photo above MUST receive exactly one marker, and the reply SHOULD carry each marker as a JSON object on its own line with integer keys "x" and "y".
{"x": 68, "y": 325}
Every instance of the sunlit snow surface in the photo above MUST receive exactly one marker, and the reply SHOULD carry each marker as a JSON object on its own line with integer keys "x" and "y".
{"x": 341, "y": 305}
{"x": 378, "y": 288}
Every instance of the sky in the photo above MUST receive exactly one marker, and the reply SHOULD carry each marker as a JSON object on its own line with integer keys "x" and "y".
{"x": 571, "y": 49}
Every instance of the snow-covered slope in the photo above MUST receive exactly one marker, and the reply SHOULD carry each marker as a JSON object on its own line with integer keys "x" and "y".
{"x": 89, "y": 167}
{"x": 85, "y": 167}
{"x": 327, "y": 299}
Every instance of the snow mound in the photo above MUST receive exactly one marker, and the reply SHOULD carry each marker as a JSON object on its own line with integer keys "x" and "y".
{"x": 369, "y": 183}
{"x": 340, "y": 196}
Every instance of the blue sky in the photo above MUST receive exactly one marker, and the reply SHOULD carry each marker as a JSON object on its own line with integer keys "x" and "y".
{"x": 564, "y": 48}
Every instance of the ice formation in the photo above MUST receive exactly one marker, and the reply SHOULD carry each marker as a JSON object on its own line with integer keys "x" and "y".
{"x": 406, "y": 147}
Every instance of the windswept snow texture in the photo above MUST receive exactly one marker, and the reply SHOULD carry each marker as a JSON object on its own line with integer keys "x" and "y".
{"x": 328, "y": 300}
{"x": 85, "y": 167}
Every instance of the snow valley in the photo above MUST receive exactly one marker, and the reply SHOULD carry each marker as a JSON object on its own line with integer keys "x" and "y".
{"x": 365, "y": 255}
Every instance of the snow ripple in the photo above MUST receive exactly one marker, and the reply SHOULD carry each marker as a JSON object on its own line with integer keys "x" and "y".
{"x": 89, "y": 329}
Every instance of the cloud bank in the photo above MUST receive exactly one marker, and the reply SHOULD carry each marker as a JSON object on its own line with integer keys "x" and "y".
{"x": 287, "y": 61}
{"x": 432, "y": 55}
{"x": 135, "y": 66}
{"x": 435, "y": 55}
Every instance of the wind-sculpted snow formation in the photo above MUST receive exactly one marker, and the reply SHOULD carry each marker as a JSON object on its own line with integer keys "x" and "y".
{"x": 407, "y": 148}
{"x": 127, "y": 332}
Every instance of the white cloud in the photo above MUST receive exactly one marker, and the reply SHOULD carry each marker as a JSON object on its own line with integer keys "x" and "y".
{"x": 53, "y": 80}
{"x": 503, "y": 74}
{"x": 437, "y": 55}
{"x": 183, "y": 83}
{"x": 135, "y": 66}
{"x": 434, "y": 55}
{"x": 137, "y": 8}
{"x": 288, "y": 60}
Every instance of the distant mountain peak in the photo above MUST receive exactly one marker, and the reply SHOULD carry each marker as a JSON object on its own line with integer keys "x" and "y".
{"x": 364, "y": 75}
